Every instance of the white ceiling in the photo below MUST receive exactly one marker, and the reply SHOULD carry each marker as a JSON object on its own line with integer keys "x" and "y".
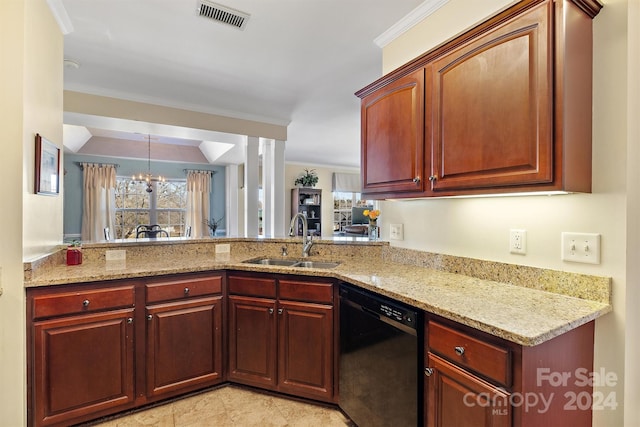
{"x": 297, "y": 63}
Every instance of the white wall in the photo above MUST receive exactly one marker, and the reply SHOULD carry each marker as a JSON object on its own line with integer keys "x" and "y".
{"x": 479, "y": 228}
{"x": 43, "y": 76}
{"x": 31, "y": 101}
{"x": 632, "y": 349}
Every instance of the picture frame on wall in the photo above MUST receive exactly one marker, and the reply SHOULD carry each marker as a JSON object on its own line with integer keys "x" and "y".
{"x": 47, "y": 179}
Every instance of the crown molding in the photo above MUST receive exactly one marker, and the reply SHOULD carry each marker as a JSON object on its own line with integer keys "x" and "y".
{"x": 405, "y": 24}
{"x": 61, "y": 16}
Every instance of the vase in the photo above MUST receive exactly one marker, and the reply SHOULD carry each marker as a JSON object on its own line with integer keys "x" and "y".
{"x": 373, "y": 230}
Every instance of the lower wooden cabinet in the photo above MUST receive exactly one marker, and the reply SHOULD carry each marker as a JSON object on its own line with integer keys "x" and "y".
{"x": 252, "y": 341}
{"x": 184, "y": 345}
{"x": 83, "y": 364}
{"x": 459, "y": 398}
{"x": 474, "y": 379}
{"x": 305, "y": 349}
{"x": 183, "y": 334}
{"x": 94, "y": 349}
{"x": 286, "y": 345}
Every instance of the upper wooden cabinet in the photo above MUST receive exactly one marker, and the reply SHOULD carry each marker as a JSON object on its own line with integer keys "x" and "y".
{"x": 492, "y": 107}
{"x": 504, "y": 107}
{"x": 393, "y": 127}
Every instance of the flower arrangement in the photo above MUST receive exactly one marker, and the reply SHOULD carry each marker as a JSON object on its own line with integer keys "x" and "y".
{"x": 372, "y": 214}
{"x": 213, "y": 224}
{"x": 308, "y": 179}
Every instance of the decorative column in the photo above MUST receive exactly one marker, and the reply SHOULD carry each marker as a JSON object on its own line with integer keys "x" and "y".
{"x": 251, "y": 185}
{"x": 273, "y": 215}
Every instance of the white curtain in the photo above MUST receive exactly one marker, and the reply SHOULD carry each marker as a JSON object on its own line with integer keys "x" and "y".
{"x": 198, "y": 194}
{"x": 99, "y": 200}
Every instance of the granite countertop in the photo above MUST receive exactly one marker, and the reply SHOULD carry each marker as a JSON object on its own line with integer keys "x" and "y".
{"x": 518, "y": 314}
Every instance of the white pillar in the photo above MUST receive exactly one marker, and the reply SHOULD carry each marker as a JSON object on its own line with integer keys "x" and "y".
{"x": 232, "y": 198}
{"x": 274, "y": 218}
{"x": 251, "y": 167}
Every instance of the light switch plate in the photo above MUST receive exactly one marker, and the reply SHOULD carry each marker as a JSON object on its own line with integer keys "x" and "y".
{"x": 396, "y": 232}
{"x": 581, "y": 247}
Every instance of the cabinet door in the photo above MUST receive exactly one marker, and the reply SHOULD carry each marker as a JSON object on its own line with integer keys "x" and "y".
{"x": 305, "y": 349}
{"x": 493, "y": 107}
{"x": 454, "y": 397}
{"x": 82, "y": 365}
{"x": 184, "y": 345}
{"x": 252, "y": 341}
{"x": 393, "y": 137}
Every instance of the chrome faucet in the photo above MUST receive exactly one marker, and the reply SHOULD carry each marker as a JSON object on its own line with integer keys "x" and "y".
{"x": 307, "y": 240}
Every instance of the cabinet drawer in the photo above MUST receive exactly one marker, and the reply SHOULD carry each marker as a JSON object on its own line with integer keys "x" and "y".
{"x": 306, "y": 291}
{"x": 252, "y": 286}
{"x": 487, "y": 359}
{"x": 184, "y": 288}
{"x": 83, "y": 301}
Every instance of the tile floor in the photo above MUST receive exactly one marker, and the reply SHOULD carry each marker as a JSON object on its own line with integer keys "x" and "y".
{"x": 232, "y": 406}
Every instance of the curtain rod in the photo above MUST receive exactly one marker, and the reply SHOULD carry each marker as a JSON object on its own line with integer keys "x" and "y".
{"x": 197, "y": 170}
{"x": 80, "y": 164}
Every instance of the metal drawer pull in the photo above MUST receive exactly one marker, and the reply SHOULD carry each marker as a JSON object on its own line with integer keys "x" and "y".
{"x": 271, "y": 311}
{"x": 459, "y": 350}
{"x": 428, "y": 371}
{"x": 85, "y": 303}
{"x": 280, "y": 311}
{"x": 130, "y": 320}
{"x": 149, "y": 316}
{"x": 416, "y": 179}
{"x": 186, "y": 291}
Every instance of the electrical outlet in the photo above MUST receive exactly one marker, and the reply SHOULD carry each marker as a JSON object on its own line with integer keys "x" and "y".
{"x": 581, "y": 247}
{"x": 224, "y": 248}
{"x": 396, "y": 232}
{"x": 116, "y": 255}
{"x": 518, "y": 241}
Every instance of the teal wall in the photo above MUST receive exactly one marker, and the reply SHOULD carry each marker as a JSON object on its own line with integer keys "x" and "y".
{"x": 128, "y": 167}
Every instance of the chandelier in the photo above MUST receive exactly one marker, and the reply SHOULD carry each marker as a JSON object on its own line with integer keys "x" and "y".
{"x": 148, "y": 178}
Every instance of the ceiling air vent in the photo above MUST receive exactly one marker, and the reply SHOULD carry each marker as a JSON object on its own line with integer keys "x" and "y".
{"x": 223, "y": 14}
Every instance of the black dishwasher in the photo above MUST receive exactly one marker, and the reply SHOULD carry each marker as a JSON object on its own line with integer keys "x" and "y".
{"x": 380, "y": 382}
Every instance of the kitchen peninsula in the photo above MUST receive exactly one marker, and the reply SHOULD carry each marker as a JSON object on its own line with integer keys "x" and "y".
{"x": 523, "y": 310}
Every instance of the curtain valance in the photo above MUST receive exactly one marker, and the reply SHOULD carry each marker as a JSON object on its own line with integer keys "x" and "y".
{"x": 346, "y": 182}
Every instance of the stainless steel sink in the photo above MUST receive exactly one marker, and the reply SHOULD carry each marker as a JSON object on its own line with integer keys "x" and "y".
{"x": 316, "y": 264}
{"x": 292, "y": 263}
{"x": 271, "y": 261}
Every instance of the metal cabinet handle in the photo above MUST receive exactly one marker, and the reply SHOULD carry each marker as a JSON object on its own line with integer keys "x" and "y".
{"x": 186, "y": 291}
{"x": 428, "y": 371}
{"x": 416, "y": 179}
{"x": 271, "y": 311}
{"x": 85, "y": 303}
{"x": 433, "y": 178}
{"x": 459, "y": 350}
{"x": 280, "y": 310}
{"x": 130, "y": 320}
{"x": 149, "y": 316}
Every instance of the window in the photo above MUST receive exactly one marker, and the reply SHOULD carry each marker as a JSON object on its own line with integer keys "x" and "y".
{"x": 342, "y": 204}
{"x": 166, "y": 206}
